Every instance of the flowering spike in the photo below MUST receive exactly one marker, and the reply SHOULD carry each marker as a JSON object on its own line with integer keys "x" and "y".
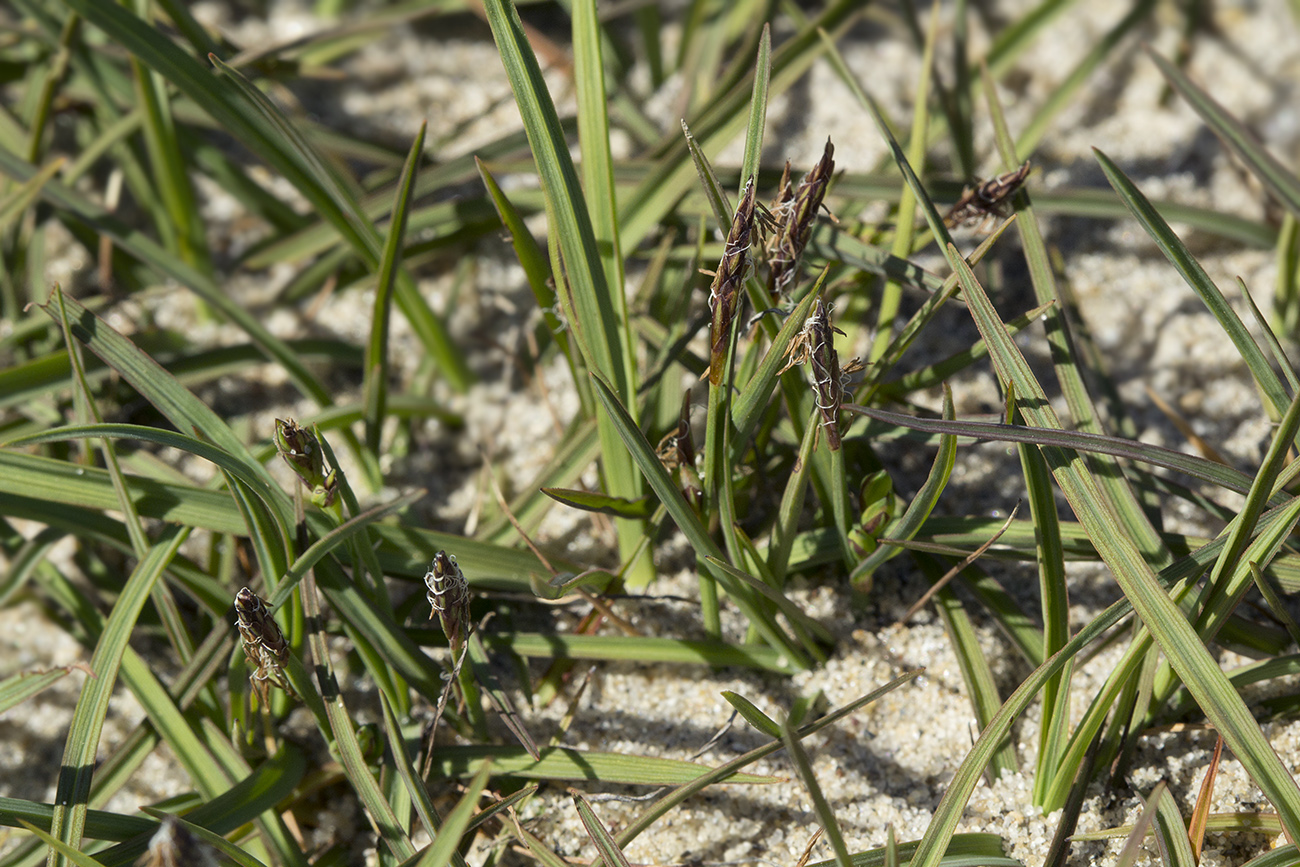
{"x": 977, "y": 203}
{"x": 448, "y": 598}
{"x": 794, "y": 212}
{"x": 301, "y": 451}
{"x": 264, "y": 644}
{"x": 724, "y": 294}
{"x": 815, "y": 344}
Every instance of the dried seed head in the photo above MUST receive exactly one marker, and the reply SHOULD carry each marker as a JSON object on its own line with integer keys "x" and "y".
{"x": 264, "y": 644}
{"x": 448, "y": 597}
{"x": 302, "y": 452}
{"x": 978, "y": 202}
{"x": 172, "y": 845}
{"x": 724, "y": 294}
{"x": 795, "y": 212}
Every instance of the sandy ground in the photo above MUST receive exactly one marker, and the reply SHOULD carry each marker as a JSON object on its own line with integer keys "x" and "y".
{"x": 889, "y": 764}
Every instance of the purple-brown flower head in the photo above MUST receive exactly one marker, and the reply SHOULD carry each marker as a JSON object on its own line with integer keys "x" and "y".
{"x": 264, "y": 644}
{"x": 794, "y": 212}
{"x": 724, "y": 294}
{"x": 448, "y": 597}
{"x": 301, "y": 451}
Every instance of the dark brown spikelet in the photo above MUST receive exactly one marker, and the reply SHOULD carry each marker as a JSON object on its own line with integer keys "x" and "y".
{"x": 724, "y": 294}
{"x": 794, "y": 212}
{"x": 815, "y": 344}
{"x": 302, "y": 452}
{"x": 264, "y": 644}
{"x": 448, "y": 595}
{"x": 979, "y": 202}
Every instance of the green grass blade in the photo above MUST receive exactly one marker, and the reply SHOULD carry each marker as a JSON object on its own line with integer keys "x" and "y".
{"x": 531, "y": 258}
{"x": 443, "y": 849}
{"x": 1171, "y": 630}
{"x": 375, "y": 388}
{"x": 687, "y": 521}
{"x": 335, "y": 538}
{"x": 1157, "y": 456}
{"x": 630, "y": 648}
{"x": 60, "y": 849}
{"x": 596, "y": 310}
{"x": 821, "y": 807}
{"x": 1171, "y": 831}
{"x": 919, "y": 509}
{"x": 1280, "y": 180}
{"x": 82, "y": 743}
{"x": 17, "y": 689}
{"x": 560, "y": 763}
{"x": 751, "y": 161}
{"x": 606, "y": 846}
{"x": 752, "y": 715}
{"x": 593, "y": 141}
{"x": 390, "y": 830}
{"x": 1192, "y": 272}
{"x": 100, "y": 825}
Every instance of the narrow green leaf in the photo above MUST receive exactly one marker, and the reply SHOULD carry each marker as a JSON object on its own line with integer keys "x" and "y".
{"x": 1192, "y": 272}
{"x": 752, "y": 714}
{"x": 687, "y": 521}
{"x": 599, "y": 834}
{"x": 60, "y": 849}
{"x": 559, "y": 763}
{"x": 375, "y": 387}
{"x": 751, "y": 161}
{"x": 18, "y": 688}
{"x": 82, "y": 744}
{"x": 920, "y": 507}
{"x": 443, "y": 850}
{"x": 821, "y": 807}
{"x": 333, "y": 539}
{"x": 594, "y": 501}
{"x": 1280, "y": 180}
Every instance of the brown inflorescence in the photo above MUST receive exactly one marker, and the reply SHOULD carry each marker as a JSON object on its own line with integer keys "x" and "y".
{"x": 793, "y": 214}
{"x": 981, "y": 201}
{"x": 724, "y": 294}
{"x": 448, "y": 597}
{"x": 264, "y": 644}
